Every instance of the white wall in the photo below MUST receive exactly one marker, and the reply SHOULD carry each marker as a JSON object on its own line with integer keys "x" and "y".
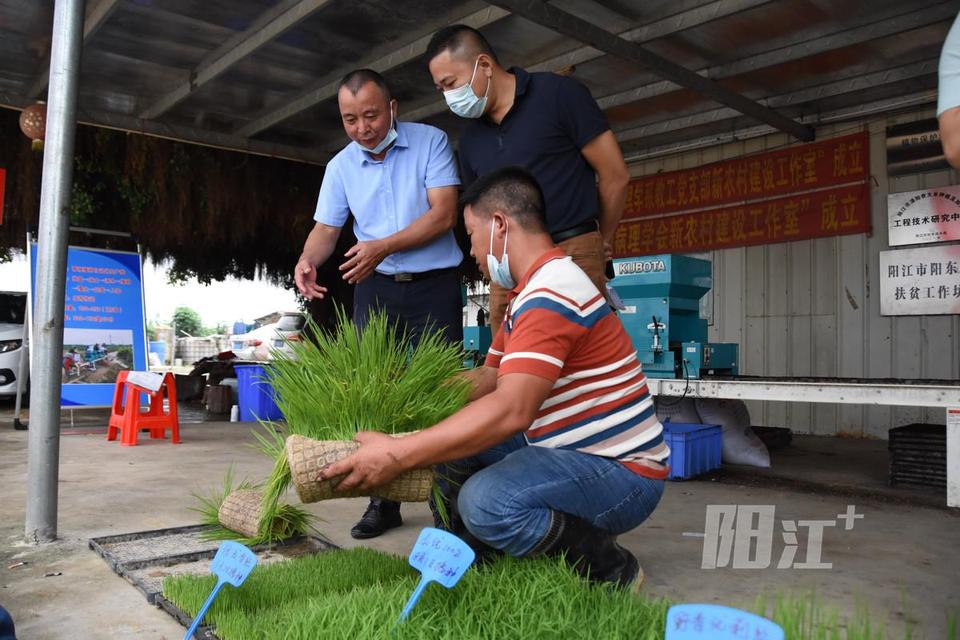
{"x": 812, "y": 308}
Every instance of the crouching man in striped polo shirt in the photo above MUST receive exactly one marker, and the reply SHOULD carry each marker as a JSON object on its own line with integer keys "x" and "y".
{"x": 559, "y": 449}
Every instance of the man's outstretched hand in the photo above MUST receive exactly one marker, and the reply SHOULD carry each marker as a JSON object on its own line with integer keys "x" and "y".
{"x": 305, "y": 275}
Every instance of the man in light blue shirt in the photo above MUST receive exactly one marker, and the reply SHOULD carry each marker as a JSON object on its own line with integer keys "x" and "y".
{"x": 399, "y": 180}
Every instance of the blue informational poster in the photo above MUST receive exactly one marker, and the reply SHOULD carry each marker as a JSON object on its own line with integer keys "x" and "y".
{"x": 104, "y": 331}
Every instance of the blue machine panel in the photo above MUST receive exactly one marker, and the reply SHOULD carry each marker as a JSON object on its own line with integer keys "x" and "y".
{"x": 662, "y": 316}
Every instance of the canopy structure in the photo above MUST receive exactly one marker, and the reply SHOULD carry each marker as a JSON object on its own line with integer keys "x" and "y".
{"x": 261, "y": 75}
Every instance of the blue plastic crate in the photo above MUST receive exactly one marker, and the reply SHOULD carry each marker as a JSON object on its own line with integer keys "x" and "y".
{"x": 256, "y": 395}
{"x": 694, "y": 448}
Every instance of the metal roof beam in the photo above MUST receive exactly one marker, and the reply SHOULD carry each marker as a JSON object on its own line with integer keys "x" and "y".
{"x": 588, "y": 33}
{"x": 269, "y": 26}
{"x": 96, "y": 15}
{"x": 840, "y": 87}
{"x": 178, "y": 133}
{"x": 887, "y": 105}
{"x": 381, "y": 61}
{"x": 696, "y": 14}
{"x": 885, "y": 26}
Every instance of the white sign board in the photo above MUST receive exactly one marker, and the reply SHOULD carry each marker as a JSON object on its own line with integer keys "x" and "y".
{"x": 920, "y": 217}
{"x": 923, "y": 281}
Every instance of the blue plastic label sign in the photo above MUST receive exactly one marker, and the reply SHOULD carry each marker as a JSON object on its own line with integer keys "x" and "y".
{"x": 714, "y": 622}
{"x": 440, "y": 557}
{"x": 232, "y": 564}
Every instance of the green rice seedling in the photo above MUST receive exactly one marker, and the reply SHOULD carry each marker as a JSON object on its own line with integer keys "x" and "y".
{"x": 360, "y": 595}
{"x": 272, "y": 586}
{"x": 805, "y": 617}
{"x": 350, "y": 380}
{"x": 287, "y": 521}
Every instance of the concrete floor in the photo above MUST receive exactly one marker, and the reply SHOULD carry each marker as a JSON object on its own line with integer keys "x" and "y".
{"x": 898, "y": 553}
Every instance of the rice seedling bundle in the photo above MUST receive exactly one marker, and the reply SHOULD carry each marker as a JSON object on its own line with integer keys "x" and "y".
{"x": 307, "y": 457}
{"x": 236, "y": 513}
{"x": 348, "y": 381}
{"x": 240, "y": 512}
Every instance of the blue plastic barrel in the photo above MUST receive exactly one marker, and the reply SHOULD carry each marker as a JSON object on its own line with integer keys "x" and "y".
{"x": 159, "y": 347}
{"x": 256, "y": 396}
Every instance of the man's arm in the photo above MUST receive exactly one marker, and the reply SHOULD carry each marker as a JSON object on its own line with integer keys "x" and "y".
{"x": 440, "y": 218}
{"x": 604, "y": 155}
{"x": 509, "y": 410}
{"x": 950, "y": 135}
{"x": 316, "y": 250}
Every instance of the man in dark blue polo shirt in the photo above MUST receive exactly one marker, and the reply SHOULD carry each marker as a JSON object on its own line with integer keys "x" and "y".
{"x": 547, "y": 123}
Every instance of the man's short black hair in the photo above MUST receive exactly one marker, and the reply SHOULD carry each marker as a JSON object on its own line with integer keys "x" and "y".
{"x": 512, "y": 190}
{"x": 355, "y": 80}
{"x": 457, "y": 38}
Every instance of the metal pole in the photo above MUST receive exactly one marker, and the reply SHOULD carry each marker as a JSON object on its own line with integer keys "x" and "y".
{"x": 43, "y": 452}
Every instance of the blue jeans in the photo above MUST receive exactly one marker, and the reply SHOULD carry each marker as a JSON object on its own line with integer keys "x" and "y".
{"x": 512, "y": 488}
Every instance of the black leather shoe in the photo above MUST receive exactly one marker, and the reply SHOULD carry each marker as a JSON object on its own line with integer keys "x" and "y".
{"x": 379, "y": 516}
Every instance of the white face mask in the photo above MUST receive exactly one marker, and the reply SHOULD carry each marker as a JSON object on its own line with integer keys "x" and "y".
{"x": 387, "y": 139}
{"x": 500, "y": 269}
{"x": 463, "y": 101}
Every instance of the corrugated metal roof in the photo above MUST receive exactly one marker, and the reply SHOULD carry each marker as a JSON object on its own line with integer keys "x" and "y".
{"x": 801, "y": 57}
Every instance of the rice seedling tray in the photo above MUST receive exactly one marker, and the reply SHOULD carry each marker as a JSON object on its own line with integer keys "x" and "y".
{"x": 145, "y": 558}
{"x": 203, "y": 632}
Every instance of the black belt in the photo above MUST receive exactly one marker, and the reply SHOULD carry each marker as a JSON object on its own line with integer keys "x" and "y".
{"x": 410, "y": 277}
{"x": 573, "y": 232}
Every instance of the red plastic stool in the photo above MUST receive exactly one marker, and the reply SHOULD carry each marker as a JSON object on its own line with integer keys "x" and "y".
{"x": 128, "y": 420}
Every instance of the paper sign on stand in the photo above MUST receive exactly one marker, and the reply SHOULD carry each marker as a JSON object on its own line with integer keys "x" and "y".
{"x": 439, "y": 557}
{"x": 232, "y": 564}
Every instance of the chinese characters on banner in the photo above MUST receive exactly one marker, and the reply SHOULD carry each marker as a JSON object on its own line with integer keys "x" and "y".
{"x": 920, "y": 217}
{"x": 801, "y": 192}
{"x": 923, "y": 281}
{"x": 795, "y": 169}
{"x": 819, "y": 213}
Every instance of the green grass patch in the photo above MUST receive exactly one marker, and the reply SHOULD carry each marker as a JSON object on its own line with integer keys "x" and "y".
{"x": 359, "y": 593}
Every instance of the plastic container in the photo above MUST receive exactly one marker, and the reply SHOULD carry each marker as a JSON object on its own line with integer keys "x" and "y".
{"x": 694, "y": 448}
{"x": 159, "y": 347}
{"x": 255, "y": 394}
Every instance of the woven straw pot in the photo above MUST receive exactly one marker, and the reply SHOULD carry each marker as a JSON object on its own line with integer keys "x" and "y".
{"x": 240, "y": 512}
{"x": 307, "y": 457}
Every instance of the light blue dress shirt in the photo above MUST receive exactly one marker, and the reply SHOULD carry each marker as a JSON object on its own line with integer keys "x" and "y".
{"x": 948, "y": 94}
{"x": 387, "y": 196}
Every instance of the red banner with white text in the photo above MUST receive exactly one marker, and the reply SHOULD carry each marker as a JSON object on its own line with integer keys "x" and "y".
{"x": 794, "y": 169}
{"x": 829, "y": 212}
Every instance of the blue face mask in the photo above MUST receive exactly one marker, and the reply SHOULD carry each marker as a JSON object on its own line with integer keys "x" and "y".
{"x": 387, "y": 139}
{"x": 463, "y": 101}
{"x": 500, "y": 269}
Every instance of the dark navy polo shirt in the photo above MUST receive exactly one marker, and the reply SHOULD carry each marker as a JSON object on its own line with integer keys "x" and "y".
{"x": 552, "y": 118}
